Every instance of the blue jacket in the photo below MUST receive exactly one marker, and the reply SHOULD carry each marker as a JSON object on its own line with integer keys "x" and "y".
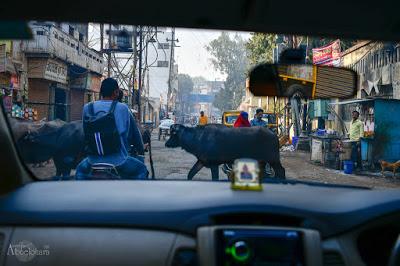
{"x": 127, "y": 129}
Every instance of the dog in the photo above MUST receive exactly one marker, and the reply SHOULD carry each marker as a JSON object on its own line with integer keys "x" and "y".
{"x": 388, "y": 165}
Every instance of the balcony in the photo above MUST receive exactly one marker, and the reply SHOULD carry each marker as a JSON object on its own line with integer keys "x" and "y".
{"x": 50, "y": 41}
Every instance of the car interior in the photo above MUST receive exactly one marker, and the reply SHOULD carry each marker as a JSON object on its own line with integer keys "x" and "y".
{"x": 160, "y": 222}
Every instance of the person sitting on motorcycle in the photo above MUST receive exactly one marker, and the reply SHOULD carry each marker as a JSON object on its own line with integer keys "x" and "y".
{"x": 242, "y": 120}
{"x": 258, "y": 121}
{"x": 123, "y": 124}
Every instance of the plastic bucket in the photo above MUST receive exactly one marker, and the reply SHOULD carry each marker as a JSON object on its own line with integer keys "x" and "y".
{"x": 321, "y": 132}
{"x": 294, "y": 141}
{"x": 348, "y": 167}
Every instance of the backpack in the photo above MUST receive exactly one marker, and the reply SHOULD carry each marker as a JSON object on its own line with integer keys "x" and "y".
{"x": 101, "y": 133}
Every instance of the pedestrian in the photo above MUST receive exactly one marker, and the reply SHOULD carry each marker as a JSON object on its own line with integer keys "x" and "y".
{"x": 356, "y": 132}
{"x": 242, "y": 120}
{"x": 203, "y": 119}
{"x": 258, "y": 121}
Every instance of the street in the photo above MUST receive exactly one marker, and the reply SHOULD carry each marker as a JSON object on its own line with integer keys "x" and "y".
{"x": 176, "y": 163}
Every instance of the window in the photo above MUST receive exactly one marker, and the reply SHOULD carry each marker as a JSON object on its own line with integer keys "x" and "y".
{"x": 80, "y": 37}
{"x": 71, "y": 31}
{"x": 40, "y": 32}
{"x": 163, "y": 45}
{"x": 72, "y": 45}
{"x": 56, "y": 36}
{"x": 162, "y": 63}
{"x": 61, "y": 39}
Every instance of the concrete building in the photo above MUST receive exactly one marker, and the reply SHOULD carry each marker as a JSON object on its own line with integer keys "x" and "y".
{"x": 202, "y": 97}
{"x": 157, "y": 60}
{"x": 59, "y": 71}
{"x": 378, "y": 66}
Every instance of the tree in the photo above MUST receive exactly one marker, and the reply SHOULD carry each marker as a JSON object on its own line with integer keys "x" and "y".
{"x": 185, "y": 87}
{"x": 229, "y": 57}
{"x": 260, "y": 48}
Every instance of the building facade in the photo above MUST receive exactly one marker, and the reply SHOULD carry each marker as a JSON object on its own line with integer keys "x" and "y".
{"x": 57, "y": 71}
{"x": 378, "y": 67}
{"x": 160, "y": 65}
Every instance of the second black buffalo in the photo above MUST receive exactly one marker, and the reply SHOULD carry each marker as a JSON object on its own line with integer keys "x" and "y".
{"x": 215, "y": 145}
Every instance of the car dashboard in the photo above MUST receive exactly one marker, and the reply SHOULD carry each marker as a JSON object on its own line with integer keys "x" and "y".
{"x": 196, "y": 223}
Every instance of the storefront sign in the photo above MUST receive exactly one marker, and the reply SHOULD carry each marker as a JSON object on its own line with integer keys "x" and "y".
{"x": 47, "y": 69}
{"x": 14, "y": 81}
{"x": 55, "y": 71}
{"x": 80, "y": 82}
{"x": 328, "y": 55}
{"x": 95, "y": 83}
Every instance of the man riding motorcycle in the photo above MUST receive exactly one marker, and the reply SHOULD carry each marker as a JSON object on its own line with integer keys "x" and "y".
{"x": 109, "y": 130}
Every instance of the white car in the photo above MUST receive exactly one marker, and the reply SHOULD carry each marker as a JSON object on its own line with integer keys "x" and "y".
{"x": 163, "y": 128}
{"x": 166, "y": 124}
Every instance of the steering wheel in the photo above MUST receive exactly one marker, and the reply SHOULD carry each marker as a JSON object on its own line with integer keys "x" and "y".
{"x": 395, "y": 255}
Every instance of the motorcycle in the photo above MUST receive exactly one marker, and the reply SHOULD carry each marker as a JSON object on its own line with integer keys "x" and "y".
{"x": 104, "y": 171}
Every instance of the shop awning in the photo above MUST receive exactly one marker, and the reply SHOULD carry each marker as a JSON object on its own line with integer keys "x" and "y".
{"x": 351, "y": 101}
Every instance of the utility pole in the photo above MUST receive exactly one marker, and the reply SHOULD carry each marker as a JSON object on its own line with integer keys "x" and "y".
{"x": 101, "y": 37}
{"x": 109, "y": 52}
{"x": 131, "y": 92}
{"x": 140, "y": 72}
{"x": 171, "y": 68}
{"x": 146, "y": 72}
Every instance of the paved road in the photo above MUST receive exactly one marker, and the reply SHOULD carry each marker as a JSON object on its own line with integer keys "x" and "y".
{"x": 176, "y": 163}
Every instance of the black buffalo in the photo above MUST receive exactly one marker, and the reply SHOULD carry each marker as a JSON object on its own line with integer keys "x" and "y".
{"x": 64, "y": 144}
{"x": 214, "y": 145}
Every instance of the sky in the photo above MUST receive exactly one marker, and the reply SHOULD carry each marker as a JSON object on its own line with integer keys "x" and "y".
{"x": 192, "y": 57}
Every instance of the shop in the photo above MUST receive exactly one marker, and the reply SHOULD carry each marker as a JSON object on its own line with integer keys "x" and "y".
{"x": 84, "y": 88}
{"x": 12, "y": 93}
{"x": 48, "y": 91}
{"x": 381, "y": 139}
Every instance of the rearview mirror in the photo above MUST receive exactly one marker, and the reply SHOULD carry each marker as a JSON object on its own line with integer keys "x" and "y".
{"x": 309, "y": 81}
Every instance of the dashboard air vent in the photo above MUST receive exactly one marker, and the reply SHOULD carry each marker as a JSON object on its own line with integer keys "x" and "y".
{"x": 333, "y": 258}
{"x": 185, "y": 257}
{"x": 256, "y": 219}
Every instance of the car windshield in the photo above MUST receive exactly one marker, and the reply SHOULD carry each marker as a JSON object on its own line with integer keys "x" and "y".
{"x": 230, "y": 119}
{"x": 169, "y": 88}
{"x": 269, "y": 118}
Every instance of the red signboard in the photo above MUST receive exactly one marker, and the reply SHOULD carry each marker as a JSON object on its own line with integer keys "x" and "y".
{"x": 14, "y": 82}
{"x": 328, "y": 55}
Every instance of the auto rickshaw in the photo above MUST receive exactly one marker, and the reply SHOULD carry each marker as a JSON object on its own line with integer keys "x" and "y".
{"x": 272, "y": 120}
{"x": 229, "y": 117}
